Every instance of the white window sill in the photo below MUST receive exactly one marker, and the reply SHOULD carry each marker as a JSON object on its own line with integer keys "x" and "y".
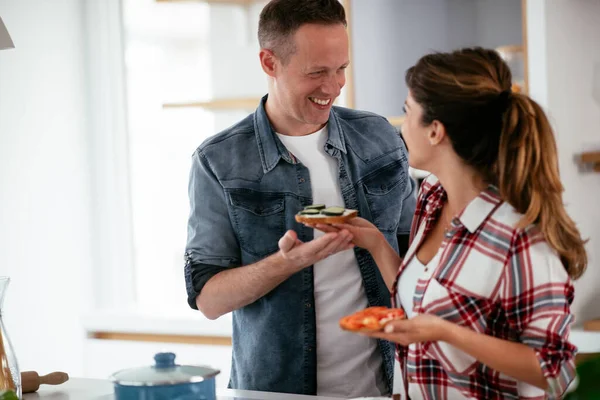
{"x": 586, "y": 341}
{"x": 191, "y": 323}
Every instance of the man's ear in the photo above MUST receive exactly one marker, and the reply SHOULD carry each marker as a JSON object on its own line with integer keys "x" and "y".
{"x": 268, "y": 62}
{"x": 437, "y": 133}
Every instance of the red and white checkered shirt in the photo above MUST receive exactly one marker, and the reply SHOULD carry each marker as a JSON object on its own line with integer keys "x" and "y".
{"x": 497, "y": 280}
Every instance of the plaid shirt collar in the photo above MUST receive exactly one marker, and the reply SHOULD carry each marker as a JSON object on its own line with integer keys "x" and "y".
{"x": 429, "y": 209}
{"x": 472, "y": 216}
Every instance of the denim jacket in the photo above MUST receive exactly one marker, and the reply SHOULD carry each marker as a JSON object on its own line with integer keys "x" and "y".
{"x": 245, "y": 189}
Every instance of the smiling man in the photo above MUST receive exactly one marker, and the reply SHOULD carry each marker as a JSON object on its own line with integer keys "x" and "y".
{"x": 286, "y": 284}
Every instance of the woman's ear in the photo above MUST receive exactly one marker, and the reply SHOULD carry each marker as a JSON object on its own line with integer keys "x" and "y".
{"x": 437, "y": 133}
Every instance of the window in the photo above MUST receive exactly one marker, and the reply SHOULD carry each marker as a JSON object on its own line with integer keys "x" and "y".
{"x": 167, "y": 57}
{"x": 176, "y": 53}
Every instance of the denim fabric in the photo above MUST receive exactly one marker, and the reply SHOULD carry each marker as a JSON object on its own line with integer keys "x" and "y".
{"x": 245, "y": 189}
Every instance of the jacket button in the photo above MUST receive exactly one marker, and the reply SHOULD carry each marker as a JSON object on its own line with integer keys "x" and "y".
{"x": 308, "y": 305}
{"x": 301, "y": 180}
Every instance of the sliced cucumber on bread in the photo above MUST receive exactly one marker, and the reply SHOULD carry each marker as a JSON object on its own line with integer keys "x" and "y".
{"x": 333, "y": 211}
{"x": 315, "y": 207}
{"x": 309, "y": 211}
{"x": 321, "y": 214}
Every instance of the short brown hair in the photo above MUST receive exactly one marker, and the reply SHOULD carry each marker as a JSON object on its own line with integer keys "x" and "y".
{"x": 505, "y": 136}
{"x": 280, "y": 19}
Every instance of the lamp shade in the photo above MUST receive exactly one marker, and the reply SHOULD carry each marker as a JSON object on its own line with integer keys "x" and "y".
{"x": 5, "y": 40}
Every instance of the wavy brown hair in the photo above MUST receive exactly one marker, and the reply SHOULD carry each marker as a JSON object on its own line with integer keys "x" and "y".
{"x": 505, "y": 136}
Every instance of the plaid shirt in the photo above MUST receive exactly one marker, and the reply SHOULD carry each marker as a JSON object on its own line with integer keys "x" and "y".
{"x": 495, "y": 279}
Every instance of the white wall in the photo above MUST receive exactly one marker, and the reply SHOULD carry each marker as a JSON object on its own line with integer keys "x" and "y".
{"x": 234, "y": 60}
{"x": 498, "y": 23}
{"x": 462, "y": 24}
{"x": 44, "y": 182}
{"x": 234, "y": 48}
{"x": 537, "y": 57}
{"x": 571, "y": 53}
{"x": 389, "y": 36}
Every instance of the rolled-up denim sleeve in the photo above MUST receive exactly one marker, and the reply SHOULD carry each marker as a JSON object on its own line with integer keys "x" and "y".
{"x": 211, "y": 242}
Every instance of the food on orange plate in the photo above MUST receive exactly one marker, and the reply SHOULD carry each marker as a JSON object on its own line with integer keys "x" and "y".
{"x": 371, "y": 319}
{"x": 321, "y": 214}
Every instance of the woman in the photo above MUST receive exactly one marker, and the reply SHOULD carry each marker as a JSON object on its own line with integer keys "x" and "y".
{"x": 486, "y": 283}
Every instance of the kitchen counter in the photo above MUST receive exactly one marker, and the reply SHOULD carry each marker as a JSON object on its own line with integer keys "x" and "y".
{"x": 98, "y": 389}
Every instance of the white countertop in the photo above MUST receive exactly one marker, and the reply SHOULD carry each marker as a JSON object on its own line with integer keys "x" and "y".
{"x": 98, "y": 389}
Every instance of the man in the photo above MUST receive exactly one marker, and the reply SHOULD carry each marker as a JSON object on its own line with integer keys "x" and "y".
{"x": 248, "y": 182}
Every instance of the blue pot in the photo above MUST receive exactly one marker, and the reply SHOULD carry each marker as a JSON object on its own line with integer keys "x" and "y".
{"x": 165, "y": 381}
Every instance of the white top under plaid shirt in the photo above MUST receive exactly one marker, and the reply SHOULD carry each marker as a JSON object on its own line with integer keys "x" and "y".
{"x": 495, "y": 279}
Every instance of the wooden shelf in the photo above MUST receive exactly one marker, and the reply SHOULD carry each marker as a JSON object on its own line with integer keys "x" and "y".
{"x": 161, "y": 338}
{"x": 591, "y": 157}
{"x": 238, "y": 2}
{"x": 592, "y": 325}
{"x": 396, "y": 121}
{"x": 249, "y": 103}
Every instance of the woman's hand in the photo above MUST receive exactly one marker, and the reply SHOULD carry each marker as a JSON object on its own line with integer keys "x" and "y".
{"x": 511, "y": 358}
{"x": 422, "y": 328}
{"x": 364, "y": 233}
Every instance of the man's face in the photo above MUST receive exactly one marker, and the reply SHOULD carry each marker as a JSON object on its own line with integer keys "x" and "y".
{"x": 308, "y": 84}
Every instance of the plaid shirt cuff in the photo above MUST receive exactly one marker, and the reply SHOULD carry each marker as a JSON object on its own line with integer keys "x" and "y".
{"x": 558, "y": 376}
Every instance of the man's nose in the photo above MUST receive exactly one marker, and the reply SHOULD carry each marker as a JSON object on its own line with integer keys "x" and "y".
{"x": 333, "y": 86}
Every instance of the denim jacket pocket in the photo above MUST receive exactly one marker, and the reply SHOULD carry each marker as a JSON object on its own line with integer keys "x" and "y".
{"x": 384, "y": 190}
{"x": 259, "y": 220}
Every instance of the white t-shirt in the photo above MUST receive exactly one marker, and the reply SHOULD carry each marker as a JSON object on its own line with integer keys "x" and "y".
{"x": 407, "y": 285}
{"x": 348, "y": 365}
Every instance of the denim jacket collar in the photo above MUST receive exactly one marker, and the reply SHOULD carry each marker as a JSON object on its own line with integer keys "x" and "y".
{"x": 270, "y": 147}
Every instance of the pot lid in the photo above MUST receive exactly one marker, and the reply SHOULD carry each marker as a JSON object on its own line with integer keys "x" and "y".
{"x": 163, "y": 372}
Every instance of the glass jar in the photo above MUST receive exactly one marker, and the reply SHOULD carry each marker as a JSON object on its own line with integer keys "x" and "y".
{"x": 10, "y": 378}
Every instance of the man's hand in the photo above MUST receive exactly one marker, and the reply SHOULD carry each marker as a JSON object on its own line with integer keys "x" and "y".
{"x": 302, "y": 255}
{"x": 235, "y": 288}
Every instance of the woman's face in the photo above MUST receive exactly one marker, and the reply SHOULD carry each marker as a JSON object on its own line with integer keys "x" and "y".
{"x": 420, "y": 151}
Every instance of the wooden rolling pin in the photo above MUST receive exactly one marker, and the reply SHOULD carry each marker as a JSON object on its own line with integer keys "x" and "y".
{"x": 31, "y": 381}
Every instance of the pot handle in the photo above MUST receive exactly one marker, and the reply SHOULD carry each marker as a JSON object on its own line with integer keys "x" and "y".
{"x": 164, "y": 360}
